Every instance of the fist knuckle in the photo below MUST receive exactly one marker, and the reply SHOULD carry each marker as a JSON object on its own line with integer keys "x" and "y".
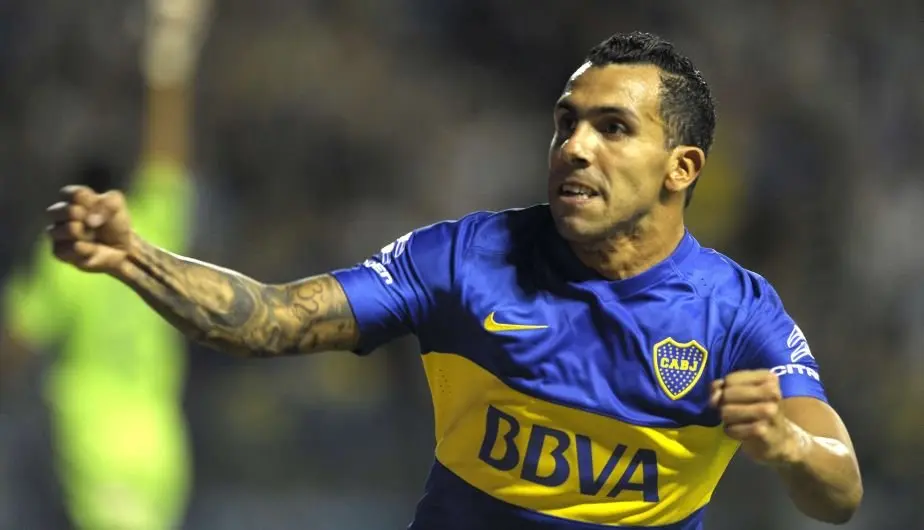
{"x": 768, "y": 410}
{"x": 75, "y": 230}
{"x": 734, "y": 394}
{"x": 113, "y": 199}
{"x": 774, "y": 396}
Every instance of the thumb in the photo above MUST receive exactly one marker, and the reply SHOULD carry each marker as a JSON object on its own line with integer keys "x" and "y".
{"x": 106, "y": 206}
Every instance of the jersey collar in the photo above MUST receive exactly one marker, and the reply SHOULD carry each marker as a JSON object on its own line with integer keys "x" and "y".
{"x": 574, "y": 271}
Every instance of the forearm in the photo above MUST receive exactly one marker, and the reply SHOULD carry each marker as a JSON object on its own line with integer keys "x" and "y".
{"x": 230, "y": 312}
{"x": 823, "y": 478}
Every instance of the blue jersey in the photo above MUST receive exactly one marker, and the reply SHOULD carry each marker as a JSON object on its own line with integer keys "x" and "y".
{"x": 563, "y": 400}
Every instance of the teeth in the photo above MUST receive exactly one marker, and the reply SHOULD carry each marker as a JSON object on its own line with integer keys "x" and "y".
{"x": 575, "y": 189}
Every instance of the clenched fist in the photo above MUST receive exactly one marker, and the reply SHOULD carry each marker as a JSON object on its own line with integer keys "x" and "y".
{"x": 90, "y": 230}
{"x": 749, "y": 403}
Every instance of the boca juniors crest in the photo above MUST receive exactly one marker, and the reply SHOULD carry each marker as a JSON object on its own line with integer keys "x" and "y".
{"x": 678, "y": 366}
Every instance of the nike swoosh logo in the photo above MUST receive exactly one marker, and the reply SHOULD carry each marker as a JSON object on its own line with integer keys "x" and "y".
{"x": 494, "y": 326}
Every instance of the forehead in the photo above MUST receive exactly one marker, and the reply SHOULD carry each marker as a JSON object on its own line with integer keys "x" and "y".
{"x": 632, "y": 86}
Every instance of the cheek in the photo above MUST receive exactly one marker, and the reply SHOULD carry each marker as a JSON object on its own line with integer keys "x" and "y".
{"x": 626, "y": 170}
{"x": 648, "y": 167}
{"x": 634, "y": 174}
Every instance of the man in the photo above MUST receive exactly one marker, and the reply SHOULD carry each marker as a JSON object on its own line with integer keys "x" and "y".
{"x": 591, "y": 365}
{"x": 114, "y": 388}
{"x": 114, "y": 392}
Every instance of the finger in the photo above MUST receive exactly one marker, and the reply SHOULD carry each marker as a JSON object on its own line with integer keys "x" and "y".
{"x": 64, "y": 211}
{"x": 75, "y": 194}
{"x": 758, "y": 393}
{"x": 737, "y": 414}
{"x": 72, "y": 250}
{"x": 715, "y": 393}
{"x": 746, "y": 431}
{"x": 99, "y": 259}
{"x": 104, "y": 208}
{"x": 69, "y": 231}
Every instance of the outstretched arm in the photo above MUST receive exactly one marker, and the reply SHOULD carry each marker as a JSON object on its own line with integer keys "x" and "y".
{"x": 217, "y": 307}
{"x": 233, "y": 313}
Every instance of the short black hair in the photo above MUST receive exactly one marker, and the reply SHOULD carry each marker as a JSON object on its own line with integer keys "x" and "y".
{"x": 686, "y": 103}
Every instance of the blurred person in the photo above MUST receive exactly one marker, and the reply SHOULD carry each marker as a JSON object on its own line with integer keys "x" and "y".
{"x": 591, "y": 364}
{"x": 115, "y": 389}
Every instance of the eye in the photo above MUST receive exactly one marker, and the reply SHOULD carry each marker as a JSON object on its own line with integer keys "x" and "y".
{"x": 613, "y": 127}
{"x": 565, "y": 123}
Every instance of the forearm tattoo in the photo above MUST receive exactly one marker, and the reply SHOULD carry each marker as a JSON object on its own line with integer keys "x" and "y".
{"x": 233, "y": 313}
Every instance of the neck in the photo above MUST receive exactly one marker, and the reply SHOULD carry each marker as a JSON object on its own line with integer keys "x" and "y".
{"x": 632, "y": 249}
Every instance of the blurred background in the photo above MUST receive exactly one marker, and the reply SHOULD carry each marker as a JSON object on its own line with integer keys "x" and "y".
{"x": 285, "y": 138}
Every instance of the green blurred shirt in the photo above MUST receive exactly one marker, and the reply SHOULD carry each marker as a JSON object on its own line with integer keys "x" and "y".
{"x": 116, "y": 354}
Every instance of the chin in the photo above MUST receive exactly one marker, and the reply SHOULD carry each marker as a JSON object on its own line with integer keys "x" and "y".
{"x": 575, "y": 229}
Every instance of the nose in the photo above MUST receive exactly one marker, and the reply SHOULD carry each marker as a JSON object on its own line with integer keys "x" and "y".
{"x": 576, "y": 150}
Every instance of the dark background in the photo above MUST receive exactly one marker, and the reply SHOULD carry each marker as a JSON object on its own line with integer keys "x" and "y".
{"x": 325, "y": 129}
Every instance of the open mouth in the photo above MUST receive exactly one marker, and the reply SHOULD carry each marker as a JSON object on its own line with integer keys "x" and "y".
{"x": 576, "y": 191}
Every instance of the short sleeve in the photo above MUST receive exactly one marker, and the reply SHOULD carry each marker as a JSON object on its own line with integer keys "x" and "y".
{"x": 771, "y": 339}
{"x": 399, "y": 290}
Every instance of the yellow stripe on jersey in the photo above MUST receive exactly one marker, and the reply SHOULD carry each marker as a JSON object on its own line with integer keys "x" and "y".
{"x": 566, "y": 462}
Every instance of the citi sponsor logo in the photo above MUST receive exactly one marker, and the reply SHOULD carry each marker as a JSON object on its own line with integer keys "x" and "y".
{"x": 799, "y": 369}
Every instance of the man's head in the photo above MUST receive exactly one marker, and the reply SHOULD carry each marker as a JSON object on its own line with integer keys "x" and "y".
{"x": 633, "y": 128}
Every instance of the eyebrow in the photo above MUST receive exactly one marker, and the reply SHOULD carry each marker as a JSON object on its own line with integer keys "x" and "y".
{"x": 597, "y": 110}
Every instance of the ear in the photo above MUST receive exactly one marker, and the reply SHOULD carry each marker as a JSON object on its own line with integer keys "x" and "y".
{"x": 685, "y": 164}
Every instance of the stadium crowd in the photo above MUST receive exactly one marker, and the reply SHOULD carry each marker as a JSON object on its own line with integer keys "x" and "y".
{"x": 325, "y": 129}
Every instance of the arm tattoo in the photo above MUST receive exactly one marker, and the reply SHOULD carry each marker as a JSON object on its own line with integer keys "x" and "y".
{"x": 233, "y": 313}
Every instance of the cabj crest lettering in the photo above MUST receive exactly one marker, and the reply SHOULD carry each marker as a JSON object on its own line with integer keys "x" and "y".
{"x": 678, "y": 366}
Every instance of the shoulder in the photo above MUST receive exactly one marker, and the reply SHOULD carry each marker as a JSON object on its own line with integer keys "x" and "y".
{"x": 723, "y": 280}
{"x": 759, "y": 333}
{"x": 488, "y": 231}
{"x": 483, "y": 230}
{"x": 500, "y": 231}
{"x": 748, "y": 307}
{"x": 743, "y": 318}
{"x": 735, "y": 301}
